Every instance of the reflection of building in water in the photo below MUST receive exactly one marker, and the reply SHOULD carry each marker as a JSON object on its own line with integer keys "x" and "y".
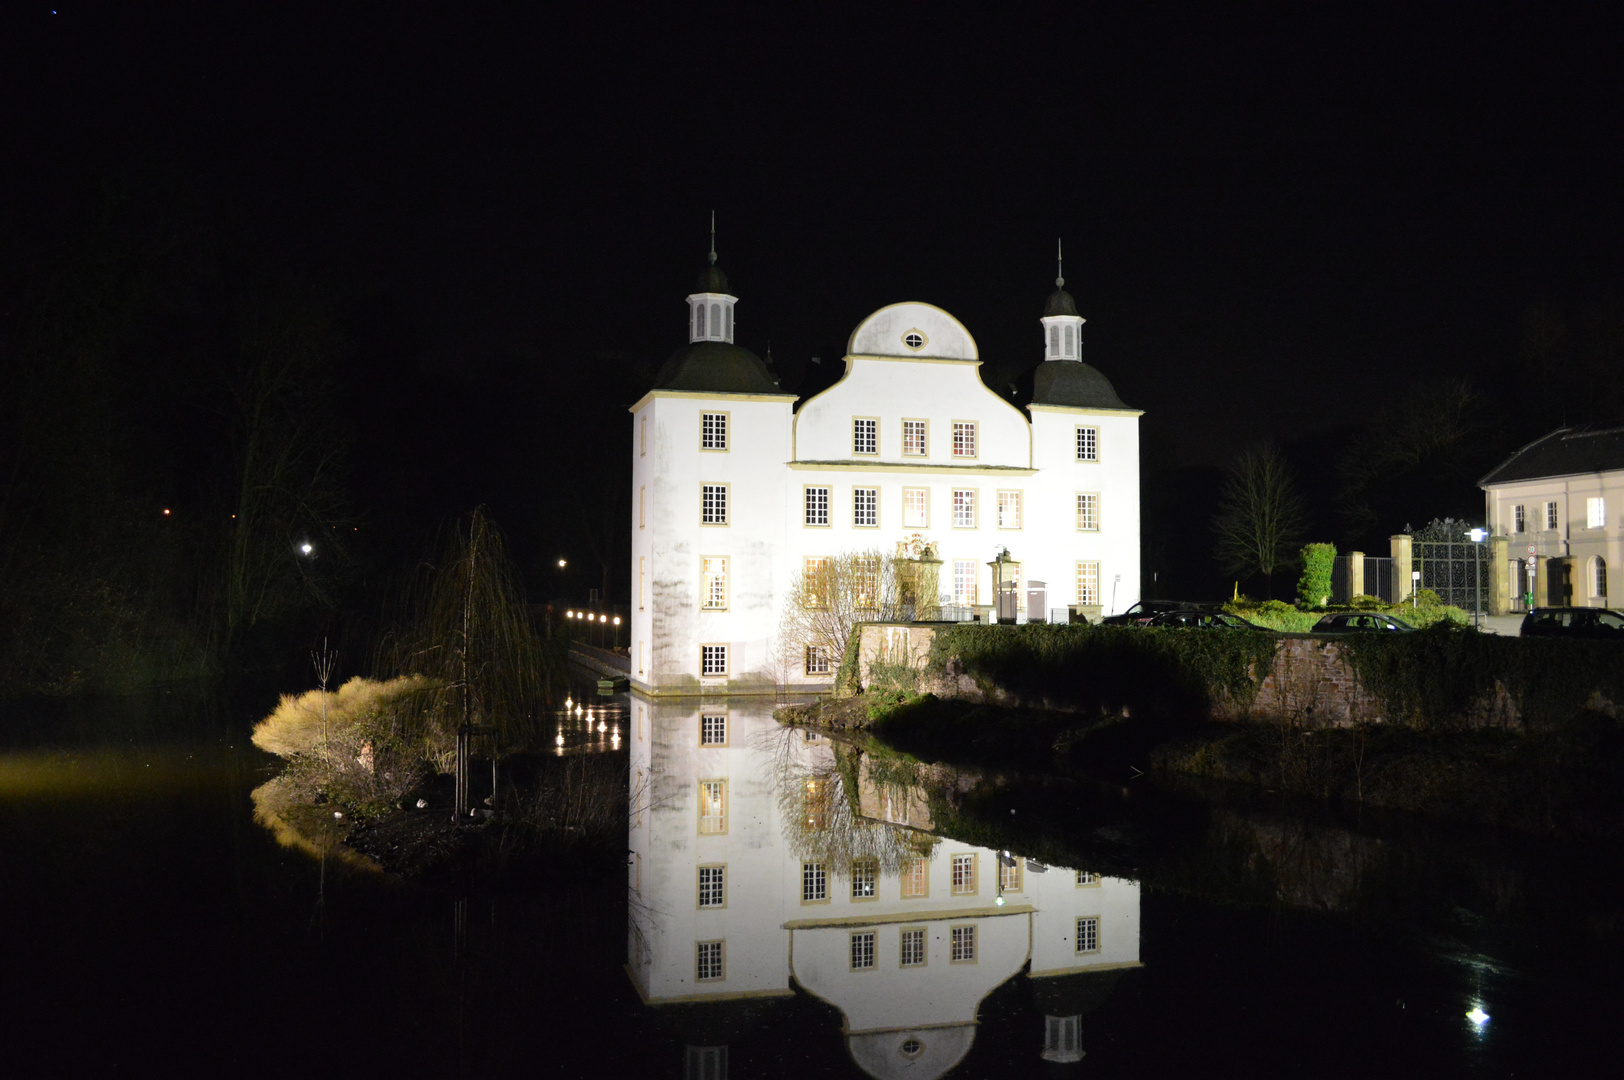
{"x": 750, "y": 869}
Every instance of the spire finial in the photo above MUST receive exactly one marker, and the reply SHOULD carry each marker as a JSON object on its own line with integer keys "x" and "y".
{"x": 713, "y": 238}
{"x": 1059, "y": 266}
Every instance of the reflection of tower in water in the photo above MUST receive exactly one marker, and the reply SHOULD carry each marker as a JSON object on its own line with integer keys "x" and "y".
{"x": 752, "y": 865}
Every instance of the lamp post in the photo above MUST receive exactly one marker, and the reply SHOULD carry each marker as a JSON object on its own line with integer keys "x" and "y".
{"x": 617, "y": 631}
{"x": 1476, "y": 536}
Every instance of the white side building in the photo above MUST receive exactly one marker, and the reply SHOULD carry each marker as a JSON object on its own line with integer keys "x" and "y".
{"x": 735, "y": 489}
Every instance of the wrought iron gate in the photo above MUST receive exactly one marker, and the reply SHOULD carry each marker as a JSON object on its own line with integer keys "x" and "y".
{"x": 1451, "y": 565}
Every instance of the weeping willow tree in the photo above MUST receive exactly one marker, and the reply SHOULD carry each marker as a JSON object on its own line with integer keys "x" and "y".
{"x": 467, "y": 633}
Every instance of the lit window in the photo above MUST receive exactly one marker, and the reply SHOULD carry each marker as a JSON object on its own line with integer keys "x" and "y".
{"x": 964, "y": 875}
{"x": 1086, "y": 878}
{"x": 1088, "y": 583}
{"x": 915, "y": 508}
{"x": 865, "y": 579}
{"x": 713, "y": 589}
{"x": 964, "y": 944}
{"x": 915, "y": 879}
{"x": 814, "y": 883}
{"x": 1519, "y": 520}
{"x": 712, "y": 807}
{"x": 1598, "y": 577}
{"x": 814, "y": 581}
{"x": 915, "y": 438}
{"x": 964, "y": 439}
{"x": 1551, "y": 519}
{"x": 1088, "y": 934}
{"x": 865, "y": 875}
{"x": 709, "y": 961}
{"x": 1088, "y": 513}
{"x": 817, "y": 506}
{"x": 713, "y": 730}
{"x": 712, "y": 886}
{"x": 713, "y": 659}
{"x": 964, "y": 508}
{"x": 713, "y": 504}
{"x": 913, "y": 948}
{"x": 1596, "y": 513}
{"x": 865, "y": 508}
{"x": 865, "y": 436}
{"x": 965, "y": 575}
{"x": 1009, "y": 875}
{"x": 1009, "y": 509}
{"x": 1088, "y": 444}
{"x": 862, "y": 951}
{"x": 713, "y": 431}
{"x": 817, "y": 660}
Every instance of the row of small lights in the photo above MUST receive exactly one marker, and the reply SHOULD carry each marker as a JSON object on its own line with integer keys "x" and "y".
{"x": 590, "y": 617}
{"x": 578, "y": 709}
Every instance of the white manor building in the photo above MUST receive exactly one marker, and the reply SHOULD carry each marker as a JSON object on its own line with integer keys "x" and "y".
{"x": 735, "y": 489}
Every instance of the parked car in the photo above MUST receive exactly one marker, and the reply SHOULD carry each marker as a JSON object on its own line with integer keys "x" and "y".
{"x": 1574, "y": 622}
{"x": 1141, "y": 612}
{"x": 1360, "y": 622}
{"x": 1202, "y": 620}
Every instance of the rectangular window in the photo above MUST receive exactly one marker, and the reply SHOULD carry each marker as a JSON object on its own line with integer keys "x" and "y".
{"x": 1551, "y": 520}
{"x": 713, "y": 886}
{"x": 862, "y": 950}
{"x": 814, "y": 581}
{"x": 865, "y": 506}
{"x": 964, "y": 438}
{"x": 1009, "y": 509}
{"x": 916, "y": 508}
{"x": 713, "y": 589}
{"x": 713, "y": 659}
{"x": 709, "y": 961}
{"x": 915, "y": 879}
{"x": 1087, "y": 878}
{"x": 965, "y": 573}
{"x": 865, "y": 580}
{"x": 1088, "y": 583}
{"x": 913, "y": 947}
{"x": 1596, "y": 513}
{"x": 964, "y": 508}
{"x": 865, "y": 436}
{"x": 640, "y": 646}
{"x": 713, "y": 729}
{"x": 642, "y": 577}
{"x": 964, "y": 944}
{"x": 713, "y": 431}
{"x": 1519, "y": 520}
{"x": 642, "y": 436}
{"x": 712, "y": 807}
{"x": 915, "y": 438}
{"x": 1088, "y": 512}
{"x": 817, "y": 660}
{"x": 1009, "y": 875}
{"x": 865, "y": 875}
{"x": 1088, "y": 933}
{"x": 713, "y": 504}
{"x": 964, "y": 875}
{"x": 814, "y": 883}
{"x": 1088, "y": 444}
{"x": 642, "y": 505}
{"x": 816, "y": 503}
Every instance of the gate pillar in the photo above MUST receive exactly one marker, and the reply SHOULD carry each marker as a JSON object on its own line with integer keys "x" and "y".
{"x": 1403, "y": 563}
{"x": 1500, "y": 575}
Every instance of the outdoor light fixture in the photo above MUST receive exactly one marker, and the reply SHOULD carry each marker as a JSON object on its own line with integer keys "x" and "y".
{"x": 617, "y": 620}
{"x": 568, "y": 704}
{"x": 1478, "y": 1017}
{"x": 306, "y": 548}
{"x": 561, "y": 564}
{"x": 558, "y": 740}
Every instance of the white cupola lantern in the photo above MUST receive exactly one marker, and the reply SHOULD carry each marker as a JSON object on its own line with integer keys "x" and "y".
{"x": 710, "y": 307}
{"x": 1062, "y": 326}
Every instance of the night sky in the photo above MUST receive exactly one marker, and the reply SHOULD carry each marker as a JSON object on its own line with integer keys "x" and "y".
{"x": 1272, "y": 228}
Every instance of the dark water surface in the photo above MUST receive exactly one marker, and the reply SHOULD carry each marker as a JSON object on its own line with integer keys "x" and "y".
{"x": 150, "y": 926}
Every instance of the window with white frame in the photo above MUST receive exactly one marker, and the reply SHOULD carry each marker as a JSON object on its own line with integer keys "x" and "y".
{"x": 815, "y": 500}
{"x": 1009, "y": 509}
{"x": 865, "y": 435}
{"x": 1552, "y": 521}
{"x": 965, "y": 575}
{"x": 713, "y": 659}
{"x": 1088, "y": 512}
{"x": 1519, "y": 519}
{"x": 817, "y": 660}
{"x": 964, "y": 438}
{"x": 862, "y": 950}
{"x": 699, "y": 320}
{"x": 916, "y": 508}
{"x": 1087, "y": 878}
{"x": 1598, "y": 577}
{"x": 713, "y": 431}
{"x": 915, "y": 879}
{"x": 1088, "y": 444}
{"x": 964, "y": 508}
{"x": 713, "y": 886}
{"x": 1088, "y": 583}
{"x": 814, "y": 581}
{"x": 713, "y": 586}
{"x": 865, "y": 507}
{"x": 709, "y": 961}
{"x": 964, "y": 944}
{"x": 814, "y": 883}
{"x": 915, "y": 438}
{"x": 1009, "y": 874}
{"x": 865, "y": 582}
{"x": 713, "y": 504}
{"x": 712, "y": 807}
{"x": 865, "y": 876}
{"x": 913, "y": 947}
{"x": 964, "y": 875}
{"x": 1088, "y": 933}
{"x": 1596, "y": 512}
{"x": 713, "y": 729}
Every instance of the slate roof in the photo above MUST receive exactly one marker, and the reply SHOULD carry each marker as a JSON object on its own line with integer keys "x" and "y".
{"x": 712, "y": 280}
{"x": 1059, "y": 303}
{"x": 1593, "y": 448}
{"x": 717, "y": 367}
{"x": 1073, "y": 383}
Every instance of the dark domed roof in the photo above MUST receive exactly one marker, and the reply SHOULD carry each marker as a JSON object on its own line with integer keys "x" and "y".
{"x": 1060, "y": 303}
{"x": 717, "y": 367}
{"x": 711, "y": 279}
{"x": 1071, "y": 382}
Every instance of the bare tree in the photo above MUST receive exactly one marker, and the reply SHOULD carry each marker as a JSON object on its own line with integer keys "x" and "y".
{"x": 833, "y": 593}
{"x": 1260, "y": 518}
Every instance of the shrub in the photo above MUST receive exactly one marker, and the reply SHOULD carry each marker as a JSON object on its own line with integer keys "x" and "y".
{"x": 1314, "y": 585}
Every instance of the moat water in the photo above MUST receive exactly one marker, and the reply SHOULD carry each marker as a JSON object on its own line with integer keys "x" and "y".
{"x": 789, "y": 909}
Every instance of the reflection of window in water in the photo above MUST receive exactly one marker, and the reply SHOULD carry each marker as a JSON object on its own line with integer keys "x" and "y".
{"x": 705, "y": 1063}
{"x": 1088, "y": 934}
{"x": 862, "y": 951}
{"x": 814, "y": 883}
{"x": 1009, "y": 875}
{"x": 915, "y": 879}
{"x": 964, "y": 875}
{"x": 1085, "y": 877}
{"x": 911, "y": 1048}
{"x": 713, "y": 730}
{"x": 964, "y": 944}
{"x": 712, "y": 807}
{"x": 1062, "y": 1038}
{"x": 713, "y": 886}
{"x": 816, "y": 804}
{"x": 864, "y": 876}
{"x": 913, "y": 947}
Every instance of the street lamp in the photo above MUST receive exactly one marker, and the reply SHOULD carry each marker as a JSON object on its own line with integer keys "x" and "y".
{"x": 617, "y": 631}
{"x": 561, "y": 564}
{"x": 1476, "y": 536}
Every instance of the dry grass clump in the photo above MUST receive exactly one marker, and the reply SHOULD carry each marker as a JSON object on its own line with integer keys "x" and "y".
{"x": 301, "y": 721}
